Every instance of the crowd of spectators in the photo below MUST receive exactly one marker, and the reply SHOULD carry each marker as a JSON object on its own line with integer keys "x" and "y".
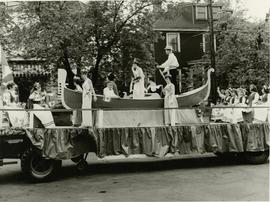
{"x": 233, "y": 98}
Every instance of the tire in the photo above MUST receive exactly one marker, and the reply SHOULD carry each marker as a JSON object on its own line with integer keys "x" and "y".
{"x": 82, "y": 165}
{"x": 37, "y": 168}
{"x": 256, "y": 157}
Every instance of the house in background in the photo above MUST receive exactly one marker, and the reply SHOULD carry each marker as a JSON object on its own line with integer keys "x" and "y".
{"x": 28, "y": 71}
{"x": 186, "y": 32}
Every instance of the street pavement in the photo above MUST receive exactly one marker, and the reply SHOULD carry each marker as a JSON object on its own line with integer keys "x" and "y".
{"x": 203, "y": 178}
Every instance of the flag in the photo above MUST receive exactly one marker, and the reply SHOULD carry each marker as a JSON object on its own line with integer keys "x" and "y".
{"x": 6, "y": 71}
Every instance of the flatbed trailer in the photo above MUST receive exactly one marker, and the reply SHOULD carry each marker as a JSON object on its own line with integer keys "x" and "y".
{"x": 41, "y": 150}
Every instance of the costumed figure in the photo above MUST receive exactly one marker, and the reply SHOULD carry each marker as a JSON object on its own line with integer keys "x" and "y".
{"x": 218, "y": 113}
{"x": 221, "y": 114}
{"x": 111, "y": 77}
{"x": 170, "y": 66}
{"x": 237, "y": 100}
{"x": 262, "y": 114}
{"x": 138, "y": 80}
{"x": 10, "y": 101}
{"x": 240, "y": 101}
{"x": 77, "y": 115}
{"x": 153, "y": 89}
{"x": 170, "y": 101}
{"x": 251, "y": 101}
{"x": 152, "y": 86}
{"x": 229, "y": 112}
{"x": 108, "y": 92}
{"x": 88, "y": 93}
{"x": 38, "y": 97}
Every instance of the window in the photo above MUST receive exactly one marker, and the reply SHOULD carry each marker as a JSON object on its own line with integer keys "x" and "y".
{"x": 201, "y": 13}
{"x": 173, "y": 39}
{"x": 216, "y": 12}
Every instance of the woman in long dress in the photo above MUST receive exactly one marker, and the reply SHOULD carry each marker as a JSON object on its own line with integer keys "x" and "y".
{"x": 170, "y": 101}
{"x": 88, "y": 92}
{"x": 38, "y": 97}
{"x": 138, "y": 81}
{"x": 77, "y": 115}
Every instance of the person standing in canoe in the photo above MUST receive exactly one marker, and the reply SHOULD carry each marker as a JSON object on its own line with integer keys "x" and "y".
{"x": 170, "y": 101}
{"x": 77, "y": 115}
{"x": 87, "y": 93}
{"x": 170, "y": 66}
{"x": 138, "y": 80}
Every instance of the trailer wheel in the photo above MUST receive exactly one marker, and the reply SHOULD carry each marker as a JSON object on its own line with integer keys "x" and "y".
{"x": 35, "y": 167}
{"x": 256, "y": 157}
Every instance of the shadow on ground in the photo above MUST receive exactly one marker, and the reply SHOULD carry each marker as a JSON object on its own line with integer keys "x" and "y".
{"x": 131, "y": 166}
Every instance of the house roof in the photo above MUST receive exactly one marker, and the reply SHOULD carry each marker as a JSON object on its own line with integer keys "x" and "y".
{"x": 181, "y": 18}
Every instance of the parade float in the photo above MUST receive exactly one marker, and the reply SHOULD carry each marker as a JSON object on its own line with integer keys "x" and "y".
{"x": 127, "y": 127}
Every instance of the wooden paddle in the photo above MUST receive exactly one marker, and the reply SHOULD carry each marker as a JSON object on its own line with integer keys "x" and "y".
{"x": 162, "y": 74}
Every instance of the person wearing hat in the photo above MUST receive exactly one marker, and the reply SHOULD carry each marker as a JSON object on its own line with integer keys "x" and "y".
{"x": 170, "y": 101}
{"x": 170, "y": 65}
{"x": 138, "y": 80}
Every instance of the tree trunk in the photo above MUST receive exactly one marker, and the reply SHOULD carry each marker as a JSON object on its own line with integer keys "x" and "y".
{"x": 70, "y": 74}
{"x": 95, "y": 72}
{"x": 67, "y": 67}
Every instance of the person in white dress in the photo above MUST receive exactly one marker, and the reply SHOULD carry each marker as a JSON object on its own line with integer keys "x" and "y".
{"x": 108, "y": 92}
{"x": 77, "y": 115}
{"x": 138, "y": 80}
{"x": 261, "y": 113}
{"x": 10, "y": 101}
{"x": 170, "y": 101}
{"x": 252, "y": 100}
{"x": 88, "y": 93}
{"x": 38, "y": 97}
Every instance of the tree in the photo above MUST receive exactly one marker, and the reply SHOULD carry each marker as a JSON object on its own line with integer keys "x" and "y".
{"x": 93, "y": 34}
{"x": 241, "y": 57}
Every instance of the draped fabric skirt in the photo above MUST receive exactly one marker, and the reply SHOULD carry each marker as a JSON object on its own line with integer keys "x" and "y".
{"x": 45, "y": 117}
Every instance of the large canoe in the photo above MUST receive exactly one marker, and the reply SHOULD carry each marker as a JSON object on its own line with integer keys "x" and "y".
{"x": 73, "y": 99}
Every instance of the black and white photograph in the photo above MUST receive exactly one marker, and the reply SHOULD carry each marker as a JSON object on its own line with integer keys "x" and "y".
{"x": 134, "y": 100}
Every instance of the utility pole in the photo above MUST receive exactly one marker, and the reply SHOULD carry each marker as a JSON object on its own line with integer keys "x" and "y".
{"x": 213, "y": 92}
{"x": 267, "y": 23}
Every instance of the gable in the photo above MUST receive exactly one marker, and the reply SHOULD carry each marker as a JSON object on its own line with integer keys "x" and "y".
{"x": 186, "y": 17}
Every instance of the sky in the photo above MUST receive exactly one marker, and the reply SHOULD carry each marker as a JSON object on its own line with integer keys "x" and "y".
{"x": 256, "y": 9}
